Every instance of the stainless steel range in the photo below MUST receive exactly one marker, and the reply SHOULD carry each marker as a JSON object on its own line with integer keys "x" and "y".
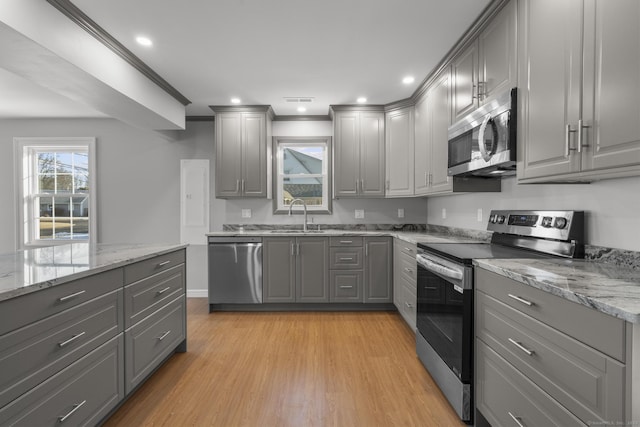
{"x": 444, "y": 341}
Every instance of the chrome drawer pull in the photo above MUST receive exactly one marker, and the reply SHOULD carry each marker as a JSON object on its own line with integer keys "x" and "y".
{"x": 163, "y": 263}
{"x": 68, "y": 297}
{"x": 346, "y": 241}
{"x": 346, "y": 259}
{"x": 346, "y": 287}
{"x": 408, "y": 249}
{"x": 516, "y": 419}
{"x": 162, "y": 291}
{"x": 523, "y": 301}
{"x": 408, "y": 305}
{"x": 74, "y": 409}
{"x": 408, "y": 270}
{"x": 521, "y": 347}
{"x": 163, "y": 336}
{"x": 70, "y": 340}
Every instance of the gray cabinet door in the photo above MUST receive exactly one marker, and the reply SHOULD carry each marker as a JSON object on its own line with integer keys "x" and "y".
{"x": 465, "y": 82}
{"x": 399, "y": 152}
{"x": 278, "y": 269}
{"x": 378, "y": 271}
{"x": 612, "y": 86}
{"x": 228, "y": 154}
{"x": 439, "y": 111}
{"x": 372, "y": 162}
{"x": 312, "y": 269}
{"x": 550, "y": 85}
{"x": 346, "y": 285}
{"x": 497, "y": 71}
{"x": 346, "y": 154}
{"x": 254, "y": 153}
{"x": 422, "y": 147}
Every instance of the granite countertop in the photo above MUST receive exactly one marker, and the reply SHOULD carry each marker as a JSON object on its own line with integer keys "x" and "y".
{"x": 408, "y": 236}
{"x": 610, "y": 289}
{"x": 31, "y": 270}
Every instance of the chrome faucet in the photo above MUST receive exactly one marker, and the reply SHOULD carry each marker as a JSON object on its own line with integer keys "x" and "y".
{"x": 304, "y": 205}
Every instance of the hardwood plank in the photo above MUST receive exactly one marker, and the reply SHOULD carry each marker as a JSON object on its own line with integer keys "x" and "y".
{"x": 290, "y": 369}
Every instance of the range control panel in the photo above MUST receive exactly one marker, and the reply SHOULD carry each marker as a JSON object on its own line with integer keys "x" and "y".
{"x": 561, "y": 225}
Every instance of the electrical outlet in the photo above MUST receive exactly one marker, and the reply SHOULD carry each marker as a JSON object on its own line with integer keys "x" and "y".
{"x": 246, "y": 213}
{"x": 444, "y": 213}
{"x": 400, "y": 213}
{"x": 359, "y": 214}
{"x": 480, "y": 215}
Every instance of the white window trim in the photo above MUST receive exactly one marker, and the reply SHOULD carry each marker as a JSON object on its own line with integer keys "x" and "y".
{"x": 279, "y": 143}
{"x": 24, "y": 232}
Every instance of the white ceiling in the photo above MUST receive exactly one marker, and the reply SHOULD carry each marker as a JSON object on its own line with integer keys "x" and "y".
{"x": 264, "y": 50}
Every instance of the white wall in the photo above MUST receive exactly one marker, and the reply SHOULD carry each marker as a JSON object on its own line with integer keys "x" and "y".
{"x": 377, "y": 211}
{"x": 612, "y": 207}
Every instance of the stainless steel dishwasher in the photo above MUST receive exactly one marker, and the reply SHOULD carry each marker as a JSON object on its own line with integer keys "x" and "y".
{"x": 235, "y": 271}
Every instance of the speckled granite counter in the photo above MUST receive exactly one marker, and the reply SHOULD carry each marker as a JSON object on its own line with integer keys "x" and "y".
{"x": 28, "y": 271}
{"x": 610, "y": 289}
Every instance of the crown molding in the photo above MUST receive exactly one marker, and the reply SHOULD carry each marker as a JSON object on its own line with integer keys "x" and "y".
{"x": 357, "y": 107}
{"x": 243, "y": 109}
{"x": 83, "y": 21}
{"x": 302, "y": 118}
{"x": 403, "y": 103}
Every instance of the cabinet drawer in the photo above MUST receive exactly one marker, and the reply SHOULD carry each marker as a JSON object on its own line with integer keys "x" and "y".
{"x": 142, "y": 269}
{"x": 153, "y": 339}
{"x": 147, "y": 295}
{"x": 605, "y": 333}
{"x": 345, "y": 241}
{"x": 346, "y": 258}
{"x": 588, "y": 383}
{"x": 503, "y": 393}
{"x": 409, "y": 268}
{"x": 407, "y": 248}
{"x": 409, "y": 304}
{"x": 21, "y": 311}
{"x": 84, "y": 392}
{"x": 31, "y": 354}
{"x": 346, "y": 286}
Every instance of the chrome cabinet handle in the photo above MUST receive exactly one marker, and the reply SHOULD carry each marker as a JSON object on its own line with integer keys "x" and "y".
{"x": 362, "y": 190}
{"x": 77, "y": 406}
{"x": 521, "y": 347}
{"x": 243, "y": 186}
{"x": 357, "y": 182}
{"x": 162, "y": 291}
{"x": 346, "y": 259}
{"x": 70, "y": 340}
{"x": 164, "y": 335}
{"x": 346, "y": 242}
{"x": 163, "y": 263}
{"x": 68, "y": 297}
{"x": 516, "y": 419}
{"x": 521, "y": 300}
{"x": 346, "y": 287}
{"x": 408, "y": 270}
{"x": 293, "y": 251}
{"x": 567, "y": 140}
{"x": 408, "y": 249}
{"x": 407, "y": 304}
{"x": 581, "y": 126}
{"x": 297, "y": 248}
{"x": 237, "y": 186}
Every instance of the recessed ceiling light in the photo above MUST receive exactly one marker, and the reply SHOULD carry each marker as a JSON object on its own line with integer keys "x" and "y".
{"x": 144, "y": 41}
{"x": 361, "y": 100}
{"x": 408, "y": 80}
{"x": 301, "y": 109}
{"x": 236, "y": 100}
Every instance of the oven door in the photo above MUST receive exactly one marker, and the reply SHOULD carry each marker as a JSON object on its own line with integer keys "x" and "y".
{"x": 445, "y": 311}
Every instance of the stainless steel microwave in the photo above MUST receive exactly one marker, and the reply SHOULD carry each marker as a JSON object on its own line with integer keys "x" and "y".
{"x": 484, "y": 142}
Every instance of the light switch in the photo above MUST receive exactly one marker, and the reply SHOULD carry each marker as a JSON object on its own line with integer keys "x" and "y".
{"x": 444, "y": 213}
{"x": 400, "y": 213}
{"x": 246, "y": 213}
{"x": 359, "y": 213}
{"x": 480, "y": 215}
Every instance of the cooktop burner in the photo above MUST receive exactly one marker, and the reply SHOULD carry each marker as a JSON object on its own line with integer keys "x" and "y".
{"x": 465, "y": 253}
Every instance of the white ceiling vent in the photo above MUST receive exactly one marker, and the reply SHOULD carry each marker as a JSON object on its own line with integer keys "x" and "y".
{"x": 298, "y": 99}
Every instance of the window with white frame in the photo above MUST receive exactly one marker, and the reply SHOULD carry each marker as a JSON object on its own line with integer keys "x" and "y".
{"x": 56, "y": 188}
{"x": 303, "y": 169}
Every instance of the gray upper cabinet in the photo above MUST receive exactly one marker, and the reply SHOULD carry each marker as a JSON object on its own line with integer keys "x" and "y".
{"x": 399, "y": 152}
{"x": 242, "y": 144}
{"x": 378, "y": 271}
{"x": 488, "y": 66}
{"x": 584, "y": 56}
{"x": 295, "y": 269}
{"x": 432, "y": 120}
{"x": 359, "y": 157}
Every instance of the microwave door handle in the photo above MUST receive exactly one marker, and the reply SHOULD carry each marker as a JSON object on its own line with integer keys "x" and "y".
{"x": 481, "y": 145}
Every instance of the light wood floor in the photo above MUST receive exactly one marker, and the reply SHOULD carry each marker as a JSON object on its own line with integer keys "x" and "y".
{"x": 290, "y": 369}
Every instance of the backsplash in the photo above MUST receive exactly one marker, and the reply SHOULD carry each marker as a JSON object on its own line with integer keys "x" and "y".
{"x": 618, "y": 257}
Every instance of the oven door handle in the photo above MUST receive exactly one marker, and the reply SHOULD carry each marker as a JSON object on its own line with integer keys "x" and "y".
{"x": 440, "y": 269}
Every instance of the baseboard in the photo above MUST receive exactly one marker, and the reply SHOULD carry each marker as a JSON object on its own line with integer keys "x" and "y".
{"x": 197, "y": 293}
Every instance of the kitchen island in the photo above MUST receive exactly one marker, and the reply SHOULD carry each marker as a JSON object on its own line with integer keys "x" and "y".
{"x": 76, "y": 316}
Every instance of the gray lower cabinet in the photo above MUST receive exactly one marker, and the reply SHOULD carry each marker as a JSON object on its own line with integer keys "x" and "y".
{"x": 57, "y": 344}
{"x": 347, "y": 275}
{"x": 378, "y": 270}
{"x": 404, "y": 281}
{"x": 295, "y": 269}
{"x": 532, "y": 367}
